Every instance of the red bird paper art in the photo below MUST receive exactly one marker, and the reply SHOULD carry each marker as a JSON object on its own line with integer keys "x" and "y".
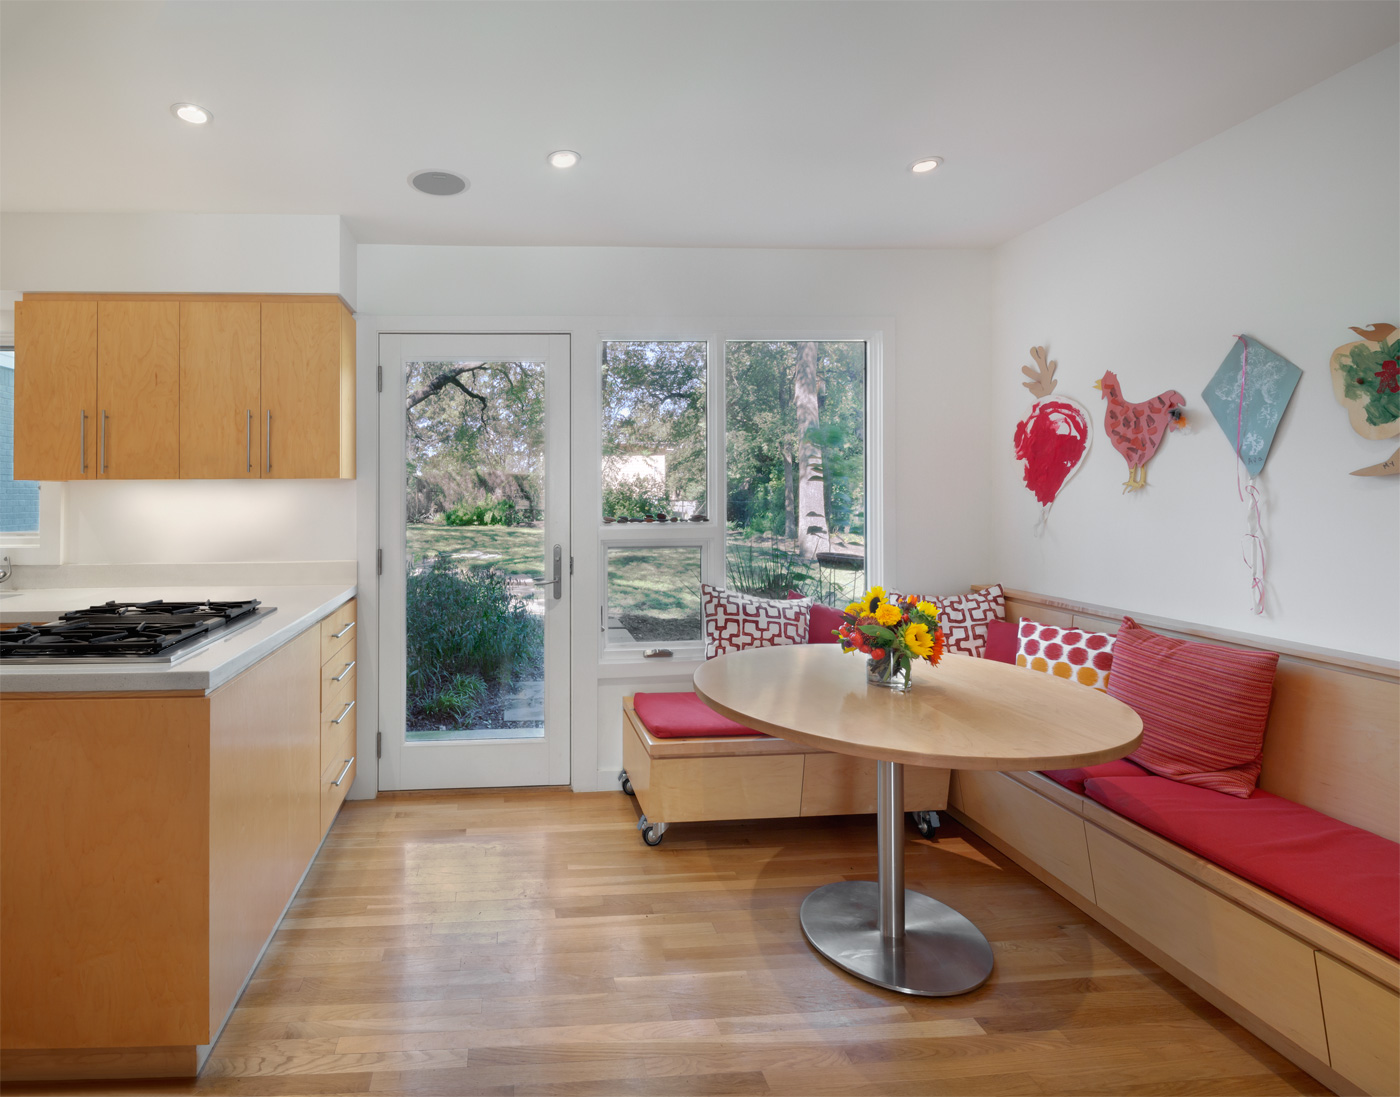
{"x": 1136, "y": 430}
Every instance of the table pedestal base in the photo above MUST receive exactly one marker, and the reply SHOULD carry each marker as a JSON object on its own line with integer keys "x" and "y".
{"x": 940, "y": 953}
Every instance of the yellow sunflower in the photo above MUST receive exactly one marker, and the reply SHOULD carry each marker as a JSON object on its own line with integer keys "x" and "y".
{"x": 888, "y": 615}
{"x": 928, "y": 609}
{"x": 919, "y": 641}
{"x": 856, "y": 609}
{"x": 874, "y": 593}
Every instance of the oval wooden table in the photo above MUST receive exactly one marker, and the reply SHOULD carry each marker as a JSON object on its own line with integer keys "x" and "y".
{"x": 965, "y": 713}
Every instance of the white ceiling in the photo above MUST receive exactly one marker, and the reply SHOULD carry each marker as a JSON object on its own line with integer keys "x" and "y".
{"x": 704, "y": 124}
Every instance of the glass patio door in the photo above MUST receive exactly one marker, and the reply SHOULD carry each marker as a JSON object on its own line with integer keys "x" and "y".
{"x": 474, "y": 496}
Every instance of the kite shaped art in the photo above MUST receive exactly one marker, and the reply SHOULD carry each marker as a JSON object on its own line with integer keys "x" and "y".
{"x": 1053, "y": 439}
{"x": 1247, "y": 396}
{"x": 1366, "y": 379}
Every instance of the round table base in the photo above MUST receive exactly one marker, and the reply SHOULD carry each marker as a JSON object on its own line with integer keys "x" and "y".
{"x": 940, "y": 954}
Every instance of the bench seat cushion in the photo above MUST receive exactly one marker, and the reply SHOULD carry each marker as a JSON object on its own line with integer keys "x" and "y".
{"x": 1340, "y": 873}
{"x": 685, "y": 716}
{"x": 1073, "y": 779}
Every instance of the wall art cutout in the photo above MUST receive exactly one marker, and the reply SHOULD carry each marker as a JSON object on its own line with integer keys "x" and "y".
{"x": 1366, "y": 380}
{"x": 1248, "y": 396}
{"x": 1053, "y": 439}
{"x": 1389, "y": 467}
{"x": 1137, "y": 430}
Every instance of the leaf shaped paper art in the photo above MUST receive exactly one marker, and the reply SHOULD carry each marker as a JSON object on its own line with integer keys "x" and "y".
{"x": 1248, "y": 395}
{"x": 1053, "y": 439}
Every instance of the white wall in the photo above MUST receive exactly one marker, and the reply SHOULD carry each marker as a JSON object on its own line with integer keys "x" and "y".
{"x": 114, "y": 522}
{"x": 1284, "y": 228}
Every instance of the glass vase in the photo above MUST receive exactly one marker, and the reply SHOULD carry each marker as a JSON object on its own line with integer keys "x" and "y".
{"x": 891, "y": 672}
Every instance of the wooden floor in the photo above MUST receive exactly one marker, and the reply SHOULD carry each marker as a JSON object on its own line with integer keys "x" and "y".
{"x": 527, "y": 942}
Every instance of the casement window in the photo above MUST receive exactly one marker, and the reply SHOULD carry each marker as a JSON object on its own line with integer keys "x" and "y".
{"x": 740, "y": 462}
{"x": 19, "y": 499}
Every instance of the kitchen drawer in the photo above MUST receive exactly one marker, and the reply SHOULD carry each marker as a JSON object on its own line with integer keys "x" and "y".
{"x": 340, "y": 666}
{"x": 341, "y": 767}
{"x": 337, "y": 630}
{"x": 331, "y": 732}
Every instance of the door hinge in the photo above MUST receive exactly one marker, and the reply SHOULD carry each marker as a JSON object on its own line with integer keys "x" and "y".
{"x": 378, "y": 561}
{"x": 379, "y": 744}
{"x": 380, "y": 378}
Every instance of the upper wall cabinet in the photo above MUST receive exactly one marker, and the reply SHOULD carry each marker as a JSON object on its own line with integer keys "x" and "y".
{"x": 197, "y": 387}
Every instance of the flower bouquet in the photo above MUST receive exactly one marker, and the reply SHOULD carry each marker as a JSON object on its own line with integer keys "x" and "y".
{"x": 893, "y": 632}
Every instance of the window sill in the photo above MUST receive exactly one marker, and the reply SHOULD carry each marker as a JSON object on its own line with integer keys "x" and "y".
{"x": 620, "y": 664}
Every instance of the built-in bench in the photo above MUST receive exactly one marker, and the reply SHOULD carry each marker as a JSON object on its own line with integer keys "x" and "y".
{"x": 715, "y": 778}
{"x": 1320, "y": 995}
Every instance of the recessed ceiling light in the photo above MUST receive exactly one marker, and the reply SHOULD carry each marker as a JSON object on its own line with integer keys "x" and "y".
{"x": 925, "y": 165}
{"x": 564, "y": 158}
{"x": 440, "y": 184}
{"x": 189, "y": 112}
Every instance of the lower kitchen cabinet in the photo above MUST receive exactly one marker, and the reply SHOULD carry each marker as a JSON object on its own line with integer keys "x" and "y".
{"x": 149, "y": 845}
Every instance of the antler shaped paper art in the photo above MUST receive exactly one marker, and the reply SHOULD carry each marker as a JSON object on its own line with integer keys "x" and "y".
{"x": 1042, "y": 378}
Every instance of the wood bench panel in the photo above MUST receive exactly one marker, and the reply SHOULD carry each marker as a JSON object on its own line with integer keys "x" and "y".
{"x": 1363, "y": 1027}
{"x": 839, "y": 784}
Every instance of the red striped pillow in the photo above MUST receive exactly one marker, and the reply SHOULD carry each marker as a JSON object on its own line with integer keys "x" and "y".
{"x": 1203, "y": 707}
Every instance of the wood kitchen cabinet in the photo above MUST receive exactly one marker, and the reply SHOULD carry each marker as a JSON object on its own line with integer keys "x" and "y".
{"x": 55, "y": 390}
{"x": 159, "y": 386}
{"x": 149, "y": 845}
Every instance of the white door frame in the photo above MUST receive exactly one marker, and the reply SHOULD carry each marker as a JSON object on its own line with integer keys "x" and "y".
{"x": 472, "y": 763}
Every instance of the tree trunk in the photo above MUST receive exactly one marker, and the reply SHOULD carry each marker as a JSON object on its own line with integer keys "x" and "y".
{"x": 812, "y": 533}
{"x": 789, "y": 497}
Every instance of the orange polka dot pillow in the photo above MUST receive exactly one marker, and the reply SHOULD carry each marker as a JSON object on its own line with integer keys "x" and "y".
{"x": 1084, "y": 657}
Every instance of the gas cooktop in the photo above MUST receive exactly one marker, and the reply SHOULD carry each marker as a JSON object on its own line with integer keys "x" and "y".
{"x": 146, "y": 632}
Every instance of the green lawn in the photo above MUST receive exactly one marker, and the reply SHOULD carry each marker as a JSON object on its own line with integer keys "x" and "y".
{"x": 515, "y": 550}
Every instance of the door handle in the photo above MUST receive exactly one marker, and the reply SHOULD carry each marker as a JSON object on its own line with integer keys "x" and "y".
{"x": 248, "y": 434}
{"x": 82, "y": 439}
{"x": 269, "y": 439}
{"x": 558, "y": 573}
{"x": 102, "y": 456}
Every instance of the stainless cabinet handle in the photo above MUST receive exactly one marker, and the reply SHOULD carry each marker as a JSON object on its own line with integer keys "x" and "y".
{"x": 348, "y": 668}
{"x": 344, "y": 714}
{"x": 348, "y": 763}
{"x": 342, "y": 632}
{"x": 269, "y": 440}
{"x": 102, "y": 462}
{"x": 558, "y": 579}
{"x": 248, "y": 433}
{"x": 82, "y": 439}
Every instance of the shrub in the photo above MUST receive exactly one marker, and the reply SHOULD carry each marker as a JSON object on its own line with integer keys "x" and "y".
{"x": 502, "y": 513}
{"x": 464, "y": 625}
{"x": 769, "y": 574}
{"x": 634, "y": 497}
{"x": 458, "y": 700}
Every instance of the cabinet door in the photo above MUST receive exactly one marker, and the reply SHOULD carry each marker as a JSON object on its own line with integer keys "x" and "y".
{"x": 308, "y": 406}
{"x": 55, "y": 390}
{"x": 138, "y": 390}
{"x": 219, "y": 397}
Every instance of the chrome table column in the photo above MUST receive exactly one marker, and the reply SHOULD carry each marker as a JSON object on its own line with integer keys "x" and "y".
{"x": 903, "y": 940}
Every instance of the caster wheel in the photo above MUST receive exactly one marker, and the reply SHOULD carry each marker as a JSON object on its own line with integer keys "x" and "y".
{"x": 627, "y": 784}
{"x": 927, "y": 822}
{"x": 651, "y": 837}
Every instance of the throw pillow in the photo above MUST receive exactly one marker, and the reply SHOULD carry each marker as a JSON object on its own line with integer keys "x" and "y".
{"x": 1084, "y": 657}
{"x": 1203, "y": 707}
{"x": 1002, "y": 642}
{"x": 964, "y": 617}
{"x": 822, "y": 624}
{"x": 734, "y": 621}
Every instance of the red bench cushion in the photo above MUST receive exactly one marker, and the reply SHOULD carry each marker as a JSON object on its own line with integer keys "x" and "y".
{"x": 1343, "y": 874}
{"x": 1073, "y": 779}
{"x": 1203, "y": 707}
{"x": 684, "y": 716}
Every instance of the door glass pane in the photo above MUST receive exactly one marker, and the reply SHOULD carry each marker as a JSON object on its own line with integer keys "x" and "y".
{"x": 795, "y": 455}
{"x": 653, "y": 595}
{"x": 654, "y": 432}
{"x": 475, "y": 550}
{"x": 19, "y": 499}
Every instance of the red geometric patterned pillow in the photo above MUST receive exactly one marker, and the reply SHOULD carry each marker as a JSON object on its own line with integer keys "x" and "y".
{"x": 734, "y": 621}
{"x": 1084, "y": 657}
{"x": 963, "y": 618}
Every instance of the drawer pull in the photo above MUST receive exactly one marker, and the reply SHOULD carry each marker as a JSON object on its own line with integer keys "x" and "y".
{"x": 349, "y": 705}
{"x": 342, "y": 632}
{"x": 348, "y": 763}
{"x": 348, "y": 668}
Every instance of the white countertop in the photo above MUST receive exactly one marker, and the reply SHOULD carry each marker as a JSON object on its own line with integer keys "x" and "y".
{"x": 298, "y": 608}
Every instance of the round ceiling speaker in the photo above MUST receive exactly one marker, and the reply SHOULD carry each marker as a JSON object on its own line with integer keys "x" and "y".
{"x": 440, "y": 184}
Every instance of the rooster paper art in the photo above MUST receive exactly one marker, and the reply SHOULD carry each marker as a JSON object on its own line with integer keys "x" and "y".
{"x": 1137, "y": 430}
{"x": 1247, "y": 396}
{"x": 1053, "y": 439}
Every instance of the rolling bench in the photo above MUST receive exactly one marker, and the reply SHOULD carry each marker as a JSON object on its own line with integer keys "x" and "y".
{"x": 685, "y": 763}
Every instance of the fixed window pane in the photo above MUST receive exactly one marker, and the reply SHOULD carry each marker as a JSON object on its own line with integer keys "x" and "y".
{"x": 653, "y": 595}
{"x": 654, "y": 430}
{"x": 795, "y": 455}
{"x": 19, "y": 499}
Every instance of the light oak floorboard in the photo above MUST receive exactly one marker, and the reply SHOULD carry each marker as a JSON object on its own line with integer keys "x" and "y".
{"x": 526, "y": 942}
